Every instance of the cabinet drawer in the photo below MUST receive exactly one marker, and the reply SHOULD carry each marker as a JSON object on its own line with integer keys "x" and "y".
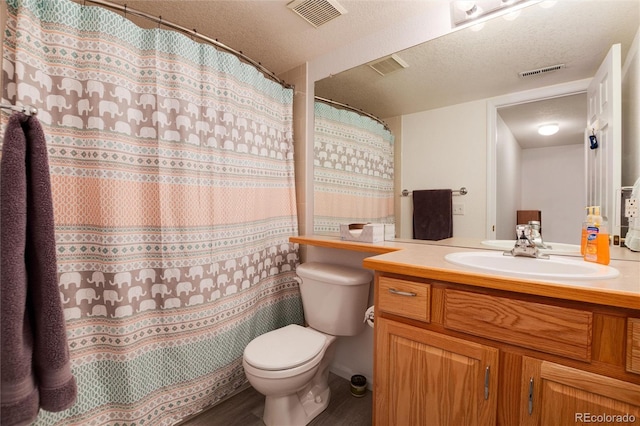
{"x": 547, "y": 328}
{"x": 405, "y": 298}
{"x": 633, "y": 345}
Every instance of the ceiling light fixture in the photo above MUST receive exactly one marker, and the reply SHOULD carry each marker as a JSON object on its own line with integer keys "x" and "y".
{"x": 548, "y": 129}
{"x": 464, "y": 12}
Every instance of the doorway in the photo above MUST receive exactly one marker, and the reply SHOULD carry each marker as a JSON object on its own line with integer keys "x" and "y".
{"x": 530, "y": 173}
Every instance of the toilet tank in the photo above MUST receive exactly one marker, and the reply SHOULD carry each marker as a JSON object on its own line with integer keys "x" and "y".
{"x": 334, "y": 297}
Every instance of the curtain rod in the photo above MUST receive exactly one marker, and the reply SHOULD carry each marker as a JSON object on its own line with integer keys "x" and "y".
{"x": 158, "y": 20}
{"x": 349, "y": 107}
{"x": 26, "y": 109}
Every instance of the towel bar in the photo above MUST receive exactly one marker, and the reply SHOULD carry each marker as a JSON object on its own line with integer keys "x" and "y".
{"x": 461, "y": 191}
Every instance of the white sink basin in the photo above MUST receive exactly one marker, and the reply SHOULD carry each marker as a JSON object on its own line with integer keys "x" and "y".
{"x": 555, "y": 247}
{"x": 554, "y": 268}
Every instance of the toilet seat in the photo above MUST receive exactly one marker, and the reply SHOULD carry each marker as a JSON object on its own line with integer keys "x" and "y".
{"x": 285, "y": 348}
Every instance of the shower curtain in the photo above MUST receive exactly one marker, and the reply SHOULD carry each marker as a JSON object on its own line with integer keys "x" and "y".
{"x": 173, "y": 186}
{"x": 353, "y": 169}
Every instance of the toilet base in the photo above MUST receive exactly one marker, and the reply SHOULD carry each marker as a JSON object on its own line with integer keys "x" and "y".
{"x": 299, "y": 408}
{"x": 296, "y": 409}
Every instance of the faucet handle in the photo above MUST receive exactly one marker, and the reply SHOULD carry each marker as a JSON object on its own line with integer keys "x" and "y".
{"x": 523, "y": 232}
{"x": 525, "y": 244}
{"x": 535, "y": 225}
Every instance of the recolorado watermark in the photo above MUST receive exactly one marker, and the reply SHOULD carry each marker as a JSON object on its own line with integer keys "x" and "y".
{"x": 604, "y": 418}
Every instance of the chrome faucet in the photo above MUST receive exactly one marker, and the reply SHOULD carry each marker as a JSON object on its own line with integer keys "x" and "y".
{"x": 525, "y": 244}
{"x": 536, "y": 235}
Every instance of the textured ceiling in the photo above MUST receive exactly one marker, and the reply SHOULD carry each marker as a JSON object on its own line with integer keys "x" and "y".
{"x": 458, "y": 67}
{"x": 469, "y": 65}
{"x": 270, "y": 33}
{"x": 569, "y": 112}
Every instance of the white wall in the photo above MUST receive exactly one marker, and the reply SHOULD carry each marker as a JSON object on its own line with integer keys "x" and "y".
{"x": 395, "y": 125}
{"x": 354, "y": 354}
{"x": 509, "y": 168}
{"x": 553, "y": 182}
{"x": 631, "y": 114}
{"x": 446, "y": 148}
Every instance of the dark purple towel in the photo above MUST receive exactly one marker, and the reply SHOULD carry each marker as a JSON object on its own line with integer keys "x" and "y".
{"x": 432, "y": 214}
{"x": 35, "y": 362}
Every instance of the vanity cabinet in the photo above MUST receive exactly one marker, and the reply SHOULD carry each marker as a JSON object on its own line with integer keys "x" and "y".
{"x": 431, "y": 378}
{"x": 448, "y": 353}
{"x": 555, "y": 394}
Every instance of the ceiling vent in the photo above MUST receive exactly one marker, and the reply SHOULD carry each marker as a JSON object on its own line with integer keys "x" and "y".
{"x": 386, "y": 66}
{"x": 540, "y": 71}
{"x": 317, "y": 12}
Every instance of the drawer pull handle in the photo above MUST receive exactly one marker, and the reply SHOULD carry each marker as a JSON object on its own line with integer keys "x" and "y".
{"x": 486, "y": 383}
{"x": 402, "y": 293}
{"x": 530, "y": 396}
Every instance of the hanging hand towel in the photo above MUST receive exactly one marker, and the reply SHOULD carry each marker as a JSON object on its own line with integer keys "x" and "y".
{"x": 35, "y": 363}
{"x": 432, "y": 214}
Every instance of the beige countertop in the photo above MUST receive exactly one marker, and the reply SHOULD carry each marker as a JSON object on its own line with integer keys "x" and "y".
{"x": 426, "y": 260}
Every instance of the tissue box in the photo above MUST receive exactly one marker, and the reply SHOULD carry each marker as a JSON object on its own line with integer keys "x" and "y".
{"x": 362, "y": 232}
{"x": 389, "y": 231}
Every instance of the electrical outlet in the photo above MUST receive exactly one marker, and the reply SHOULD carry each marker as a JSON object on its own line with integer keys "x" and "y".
{"x": 458, "y": 208}
{"x": 630, "y": 207}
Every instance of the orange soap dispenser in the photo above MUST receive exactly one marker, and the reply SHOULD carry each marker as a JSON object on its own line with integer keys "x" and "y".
{"x": 585, "y": 225}
{"x": 597, "y": 247}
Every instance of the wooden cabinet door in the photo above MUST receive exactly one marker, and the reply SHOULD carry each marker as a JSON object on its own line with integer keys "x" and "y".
{"x": 426, "y": 378}
{"x": 554, "y": 394}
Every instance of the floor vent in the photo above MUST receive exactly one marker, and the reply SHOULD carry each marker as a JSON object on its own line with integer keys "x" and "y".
{"x": 388, "y": 65}
{"x": 541, "y": 71}
{"x": 317, "y": 12}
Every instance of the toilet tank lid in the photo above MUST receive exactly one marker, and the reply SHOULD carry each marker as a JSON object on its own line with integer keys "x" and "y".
{"x": 335, "y": 274}
{"x": 284, "y": 348}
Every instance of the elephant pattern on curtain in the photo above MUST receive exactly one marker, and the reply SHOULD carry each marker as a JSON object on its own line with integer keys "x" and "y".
{"x": 353, "y": 169}
{"x": 173, "y": 186}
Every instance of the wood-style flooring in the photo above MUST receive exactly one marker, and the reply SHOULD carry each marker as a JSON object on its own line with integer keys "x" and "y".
{"x": 245, "y": 409}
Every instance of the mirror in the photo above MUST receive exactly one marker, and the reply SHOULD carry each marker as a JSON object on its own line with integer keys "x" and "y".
{"x": 437, "y": 107}
{"x": 533, "y": 164}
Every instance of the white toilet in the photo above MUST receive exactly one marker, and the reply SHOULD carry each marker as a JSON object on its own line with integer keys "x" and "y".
{"x": 290, "y": 365}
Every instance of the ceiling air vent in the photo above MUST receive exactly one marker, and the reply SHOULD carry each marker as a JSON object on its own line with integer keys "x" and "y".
{"x": 317, "y": 12}
{"x": 388, "y": 65}
{"x": 540, "y": 71}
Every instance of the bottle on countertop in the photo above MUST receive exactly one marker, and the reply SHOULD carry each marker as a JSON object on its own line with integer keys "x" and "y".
{"x": 585, "y": 225}
{"x": 597, "y": 246}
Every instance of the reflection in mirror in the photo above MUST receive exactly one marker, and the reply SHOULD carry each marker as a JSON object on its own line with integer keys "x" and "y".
{"x": 530, "y": 166}
{"x": 438, "y": 107}
{"x": 353, "y": 169}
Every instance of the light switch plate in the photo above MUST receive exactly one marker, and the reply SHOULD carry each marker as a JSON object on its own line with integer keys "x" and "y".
{"x": 458, "y": 208}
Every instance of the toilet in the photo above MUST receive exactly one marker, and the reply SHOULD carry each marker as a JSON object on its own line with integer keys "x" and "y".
{"x": 290, "y": 365}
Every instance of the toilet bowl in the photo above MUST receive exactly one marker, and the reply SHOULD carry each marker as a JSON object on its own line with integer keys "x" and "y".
{"x": 296, "y": 385}
{"x": 290, "y": 365}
